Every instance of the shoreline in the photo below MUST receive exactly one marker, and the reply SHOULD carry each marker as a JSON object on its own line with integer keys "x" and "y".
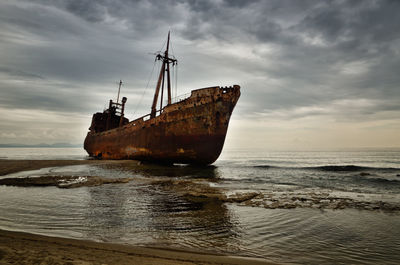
{"x": 26, "y": 248}
{"x": 9, "y": 166}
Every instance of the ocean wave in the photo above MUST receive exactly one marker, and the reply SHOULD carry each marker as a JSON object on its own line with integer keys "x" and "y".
{"x": 376, "y": 180}
{"x": 346, "y": 168}
{"x": 333, "y": 168}
{"x": 264, "y": 166}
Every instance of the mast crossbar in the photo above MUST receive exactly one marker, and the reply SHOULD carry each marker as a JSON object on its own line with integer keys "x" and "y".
{"x": 166, "y": 61}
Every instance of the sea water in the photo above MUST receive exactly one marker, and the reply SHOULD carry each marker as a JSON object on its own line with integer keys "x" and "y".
{"x": 308, "y": 207}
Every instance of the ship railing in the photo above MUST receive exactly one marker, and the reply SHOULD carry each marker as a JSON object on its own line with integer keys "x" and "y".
{"x": 175, "y": 100}
{"x": 158, "y": 112}
{"x": 140, "y": 119}
{"x": 181, "y": 97}
{"x": 146, "y": 117}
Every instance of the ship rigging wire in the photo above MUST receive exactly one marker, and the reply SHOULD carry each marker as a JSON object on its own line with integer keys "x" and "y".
{"x": 147, "y": 86}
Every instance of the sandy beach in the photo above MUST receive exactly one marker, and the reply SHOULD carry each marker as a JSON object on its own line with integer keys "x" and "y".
{"x": 25, "y": 248}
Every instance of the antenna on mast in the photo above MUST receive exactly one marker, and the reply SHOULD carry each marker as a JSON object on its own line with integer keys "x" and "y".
{"x": 119, "y": 89}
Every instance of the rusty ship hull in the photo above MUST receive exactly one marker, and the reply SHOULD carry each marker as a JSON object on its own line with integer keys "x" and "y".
{"x": 191, "y": 131}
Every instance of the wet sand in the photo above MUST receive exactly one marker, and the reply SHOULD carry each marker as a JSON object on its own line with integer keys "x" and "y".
{"x": 12, "y": 166}
{"x": 24, "y": 248}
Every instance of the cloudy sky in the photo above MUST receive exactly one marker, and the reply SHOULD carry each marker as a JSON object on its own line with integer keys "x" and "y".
{"x": 313, "y": 74}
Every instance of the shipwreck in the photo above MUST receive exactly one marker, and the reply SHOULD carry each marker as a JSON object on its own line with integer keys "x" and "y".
{"x": 189, "y": 131}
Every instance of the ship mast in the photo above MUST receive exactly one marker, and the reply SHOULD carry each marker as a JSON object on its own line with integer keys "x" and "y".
{"x": 166, "y": 61}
